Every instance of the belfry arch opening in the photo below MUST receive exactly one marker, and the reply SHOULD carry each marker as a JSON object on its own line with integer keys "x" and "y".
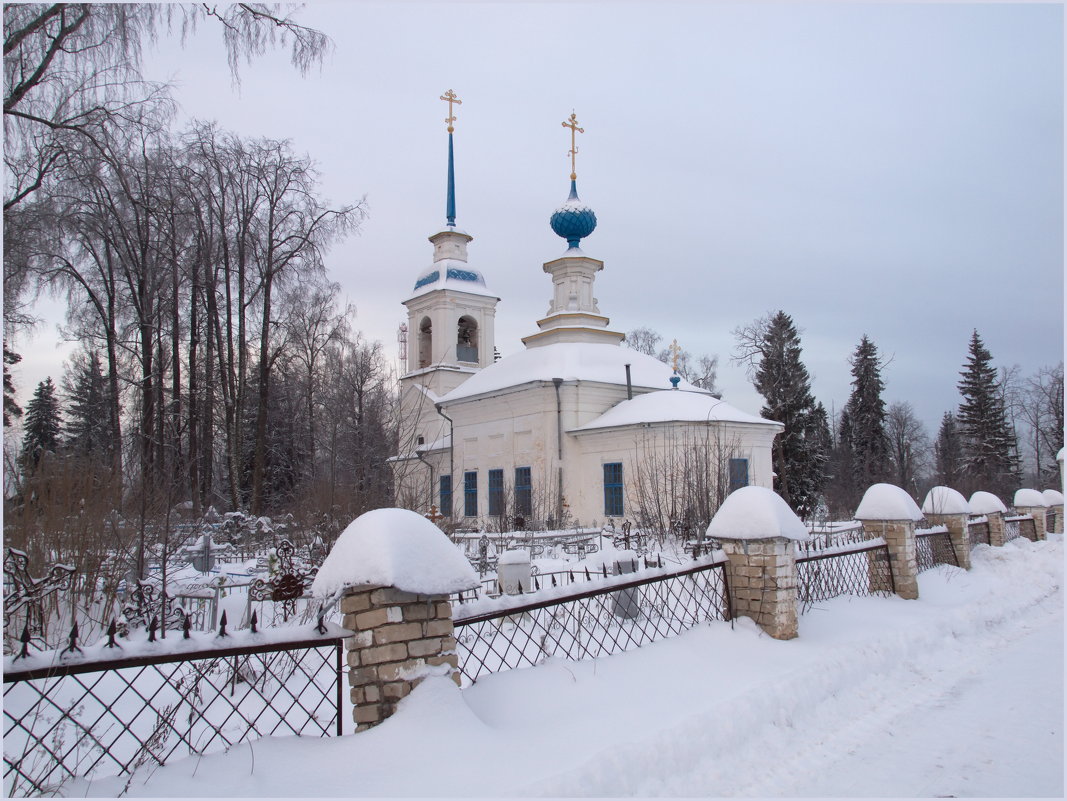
{"x": 467, "y": 339}
{"x": 425, "y": 342}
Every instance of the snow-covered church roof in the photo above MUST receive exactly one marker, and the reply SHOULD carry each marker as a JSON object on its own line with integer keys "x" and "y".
{"x": 451, "y": 274}
{"x": 670, "y": 406}
{"x": 571, "y": 361}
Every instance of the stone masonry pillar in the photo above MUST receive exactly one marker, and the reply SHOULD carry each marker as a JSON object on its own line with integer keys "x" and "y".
{"x": 957, "y": 532}
{"x": 899, "y": 535}
{"x": 1038, "y": 513}
{"x": 401, "y": 638}
{"x": 996, "y": 529}
{"x": 1057, "y": 511}
{"x": 763, "y": 582}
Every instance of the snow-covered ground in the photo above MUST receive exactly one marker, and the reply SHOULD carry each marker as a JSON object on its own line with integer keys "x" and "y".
{"x": 959, "y": 693}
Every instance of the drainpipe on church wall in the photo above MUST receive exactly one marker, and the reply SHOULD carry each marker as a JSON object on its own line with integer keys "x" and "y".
{"x": 557, "y": 382}
{"x": 451, "y": 455}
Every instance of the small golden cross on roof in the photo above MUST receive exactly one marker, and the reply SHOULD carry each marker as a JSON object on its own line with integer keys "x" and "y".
{"x": 450, "y": 96}
{"x": 572, "y": 123}
{"x": 675, "y": 351}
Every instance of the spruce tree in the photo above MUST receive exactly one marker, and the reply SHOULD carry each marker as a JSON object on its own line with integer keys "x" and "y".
{"x": 87, "y": 429}
{"x": 863, "y": 432}
{"x": 948, "y": 453}
{"x": 42, "y": 425}
{"x": 988, "y": 442}
{"x": 11, "y": 408}
{"x": 783, "y": 380}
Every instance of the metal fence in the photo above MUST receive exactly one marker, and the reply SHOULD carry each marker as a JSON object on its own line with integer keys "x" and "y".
{"x": 1020, "y": 526}
{"x": 934, "y": 547}
{"x": 858, "y": 568}
{"x": 620, "y": 615}
{"x": 978, "y": 533}
{"x": 88, "y": 714}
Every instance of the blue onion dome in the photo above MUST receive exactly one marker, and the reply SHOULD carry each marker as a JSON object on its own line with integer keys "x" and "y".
{"x": 573, "y": 220}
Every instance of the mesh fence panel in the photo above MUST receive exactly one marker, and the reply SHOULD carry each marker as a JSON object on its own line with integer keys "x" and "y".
{"x": 106, "y": 719}
{"x": 592, "y": 624}
{"x": 864, "y": 571}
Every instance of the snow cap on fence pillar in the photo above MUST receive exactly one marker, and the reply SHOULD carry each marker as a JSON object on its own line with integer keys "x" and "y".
{"x": 755, "y": 513}
{"x": 1052, "y": 497}
{"x": 945, "y": 501}
{"x": 394, "y": 548}
{"x": 887, "y": 502}
{"x": 1029, "y": 497}
{"x": 986, "y": 503}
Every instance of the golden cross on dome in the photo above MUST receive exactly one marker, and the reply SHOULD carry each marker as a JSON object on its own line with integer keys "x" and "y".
{"x": 572, "y": 123}
{"x": 450, "y": 96}
{"x": 675, "y": 352}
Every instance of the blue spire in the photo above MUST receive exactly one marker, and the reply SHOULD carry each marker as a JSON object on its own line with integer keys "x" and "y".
{"x": 450, "y": 203}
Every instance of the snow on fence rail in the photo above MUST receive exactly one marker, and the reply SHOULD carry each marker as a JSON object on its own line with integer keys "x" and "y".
{"x": 89, "y": 712}
{"x": 623, "y": 612}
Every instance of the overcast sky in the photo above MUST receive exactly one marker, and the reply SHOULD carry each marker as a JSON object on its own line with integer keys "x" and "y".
{"x": 889, "y": 170}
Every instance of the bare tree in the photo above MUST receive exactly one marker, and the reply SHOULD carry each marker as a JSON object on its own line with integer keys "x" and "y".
{"x": 909, "y": 445}
{"x": 1041, "y": 406}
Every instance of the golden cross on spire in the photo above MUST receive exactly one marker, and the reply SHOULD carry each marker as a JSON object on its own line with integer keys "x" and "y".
{"x": 450, "y": 96}
{"x": 675, "y": 352}
{"x": 572, "y": 123}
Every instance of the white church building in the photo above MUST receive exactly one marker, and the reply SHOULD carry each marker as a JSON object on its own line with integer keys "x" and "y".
{"x": 577, "y": 428}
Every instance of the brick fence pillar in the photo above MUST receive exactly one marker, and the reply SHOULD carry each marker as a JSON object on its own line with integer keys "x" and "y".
{"x": 996, "y": 528}
{"x": 899, "y": 535}
{"x": 1056, "y": 510}
{"x": 763, "y": 582}
{"x": 401, "y": 638}
{"x": 957, "y": 533}
{"x": 1038, "y": 513}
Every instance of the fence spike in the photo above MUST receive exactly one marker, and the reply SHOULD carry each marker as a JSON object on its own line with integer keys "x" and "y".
{"x": 320, "y": 627}
{"x": 72, "y": 640}
{"x": 554, "y": 584}
{"x": 187, "y": 625}
{"x": 25, "y": 639}
{"x": 587, "y": 576}
{"x": 254, "y": 621}
{"x": 153, "y": 624}
{"x": 111, "y": 630}
{"x": 222, "y": 625}
{"x": 604, "y": 567}
{"x": 537, "y": 584}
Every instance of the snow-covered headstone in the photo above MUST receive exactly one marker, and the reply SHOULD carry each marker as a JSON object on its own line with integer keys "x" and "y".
{"x": 513, "y": 571}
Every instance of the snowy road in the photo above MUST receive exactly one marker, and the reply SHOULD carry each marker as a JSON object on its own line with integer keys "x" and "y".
{"x": 959, "y": 693}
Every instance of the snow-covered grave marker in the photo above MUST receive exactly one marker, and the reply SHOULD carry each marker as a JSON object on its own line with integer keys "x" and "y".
{"x": 757, "y": 530}
{"x": 395, "y": 570}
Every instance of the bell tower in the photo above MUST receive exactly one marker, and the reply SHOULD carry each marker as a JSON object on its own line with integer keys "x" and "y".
{"x": 451, "y": 312}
